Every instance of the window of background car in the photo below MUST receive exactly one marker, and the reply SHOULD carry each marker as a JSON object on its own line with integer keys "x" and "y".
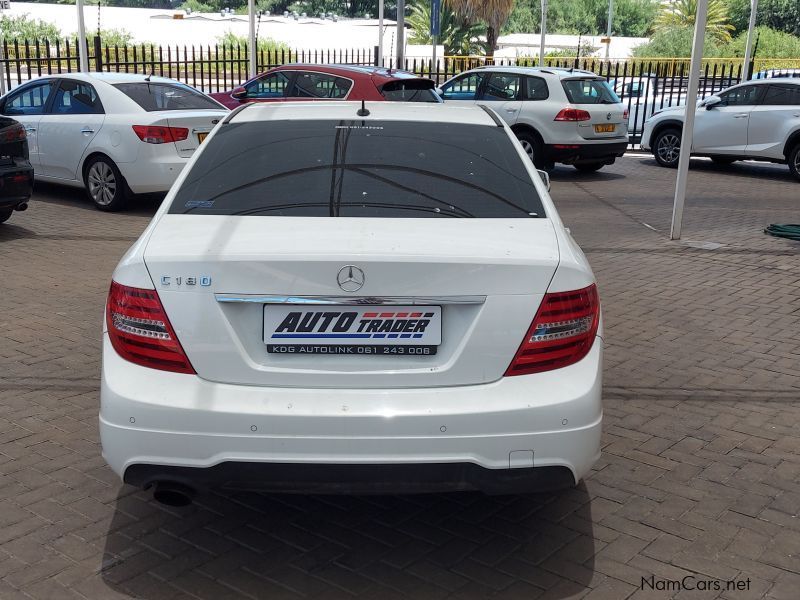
{"x": 535, "y": 89}
{"x": 747, "y": 95}
{"x": 388, "y": 169}
{"x": 274, "y": 85}
{"x": 76, "y": 98}
{"x": 308, "y": 84}
{"x": 463, "y": 88}
{"x": 166, "y": 96}
{"x": 782, "y": 95}
{"x": 589, "y": 91}
{"x": 501, "y": 86}
{"x": 409, "y": 90}
{"x": 29, "y": 101}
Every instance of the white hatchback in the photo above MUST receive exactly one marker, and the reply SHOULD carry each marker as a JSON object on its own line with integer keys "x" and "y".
{"x": 115, "y": 134}
{"x": 338, "y": 299}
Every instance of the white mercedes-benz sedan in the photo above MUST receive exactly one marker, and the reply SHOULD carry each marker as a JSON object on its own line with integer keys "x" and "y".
{"x": 335, "y": 298}
{"x": 115, "y": 134}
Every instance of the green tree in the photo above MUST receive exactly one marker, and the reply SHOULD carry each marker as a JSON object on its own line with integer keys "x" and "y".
{"x": 24, "y": 28}
{"x": 457, "y": 37}
{"x": 681, "y": 13}
{"x": 492, "y": 13}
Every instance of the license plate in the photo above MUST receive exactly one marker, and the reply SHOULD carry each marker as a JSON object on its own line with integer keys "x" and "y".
{"x": 604, "y": 128}
{"x": 352, "y": 329}
{"x": 201, "y": 137}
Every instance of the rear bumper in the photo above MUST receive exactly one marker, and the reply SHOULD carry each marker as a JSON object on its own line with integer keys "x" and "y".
{"x": 155, "y": 169}
{"x": 354, "y": 479}
{"x": 573, "y": 153}
{"x": 16, "y": 185}
{"x": 494, "y": 437}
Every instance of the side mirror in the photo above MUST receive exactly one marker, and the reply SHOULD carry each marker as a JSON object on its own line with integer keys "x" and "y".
{"x": 711, "y": 102}
{"x": 545, "y": 178}
{"x": 239, "y": 93}
{"x": 439, "y": 91}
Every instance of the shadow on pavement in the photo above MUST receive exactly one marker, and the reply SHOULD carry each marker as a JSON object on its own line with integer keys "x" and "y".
{"x": 51, "y": 193}
{"x": 744, "y": 169}
{"x": 276, "y": 546}
{"x": 568, "y": 174}
{"x": 10, "y": 231}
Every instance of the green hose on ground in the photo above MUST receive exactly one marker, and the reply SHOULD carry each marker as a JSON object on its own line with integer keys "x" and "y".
{"x": 790, "y": 231}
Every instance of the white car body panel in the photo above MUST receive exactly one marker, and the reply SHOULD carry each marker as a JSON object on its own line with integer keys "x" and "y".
{"x": 456, "y": 408}
{"x": 759, "y": 131}
{"x": 62, "y": 143}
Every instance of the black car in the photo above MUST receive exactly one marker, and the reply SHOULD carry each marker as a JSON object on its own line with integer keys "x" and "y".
{"x": 16, "y": 172}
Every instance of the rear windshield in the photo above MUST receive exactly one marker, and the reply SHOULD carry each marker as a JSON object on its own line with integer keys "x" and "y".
{"x": 166, "y": 96}
{"x": 358, "y": 168}
{"x": 410, "y": 91}
{"x": 589, "y": 91}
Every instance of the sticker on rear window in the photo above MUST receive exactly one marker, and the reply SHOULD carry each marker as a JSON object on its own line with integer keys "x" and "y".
{"x": 200, "y": 204}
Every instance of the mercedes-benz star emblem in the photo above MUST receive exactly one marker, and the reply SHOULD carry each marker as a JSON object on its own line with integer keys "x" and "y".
{"x": 350, "y": 278}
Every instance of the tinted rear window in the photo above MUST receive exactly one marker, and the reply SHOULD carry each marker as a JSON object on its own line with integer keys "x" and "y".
{"x": 359, "y": 168}
{"x": 410, "y": 91}
{"x": 589, "y": 91}
{"x": 166, "y": 96}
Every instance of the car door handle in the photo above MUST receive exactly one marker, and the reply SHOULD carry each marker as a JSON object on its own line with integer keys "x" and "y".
{"x": 740, "y": 116}
{"x": 30, "y": 129}
{"x": 511, "y": 110}
{"x": 87, "y": 130}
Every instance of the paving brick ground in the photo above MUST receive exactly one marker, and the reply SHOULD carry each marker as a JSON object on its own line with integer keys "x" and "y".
{"x": 700, "y": 474}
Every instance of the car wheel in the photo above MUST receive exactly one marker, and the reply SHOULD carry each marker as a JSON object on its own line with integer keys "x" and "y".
{"x": 794, "y": 162}
{"x": 105, "y": 185}
{"x": 532, "y": 146}
{"x": 5, "y": 215}
{"x": 721, "y": 160}
{"x": 589, "y": 167}
{"x": 667, "y": 147}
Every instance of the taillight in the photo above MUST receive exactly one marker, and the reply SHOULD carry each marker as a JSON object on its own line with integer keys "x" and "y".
{"x": 140, "y": 330}
{"x": 561, "y": 334}
{"x": 156, "y": 134}
{"x": 625, "y": 115}
{"x": 15, "y": 133}
{"x": 573, "y": 114}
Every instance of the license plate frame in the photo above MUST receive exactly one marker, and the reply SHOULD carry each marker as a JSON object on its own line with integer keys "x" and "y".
{"x": 605, "y": 128}
{"x": 352, "y": 329}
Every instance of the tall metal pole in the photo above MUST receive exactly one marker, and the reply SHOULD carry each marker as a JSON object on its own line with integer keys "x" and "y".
{"x": 2, "y": 62}
{"x": 380, "y": 33}
{"x": 251, "y": 37}
{"x": 608, "y": 31}
{"x": 544, "y": 31}
{"x": 401, "y": 37}
{"x": 83, "y": 50}
{"x": 748, "y": 49}
{"x": 688, "y": 121}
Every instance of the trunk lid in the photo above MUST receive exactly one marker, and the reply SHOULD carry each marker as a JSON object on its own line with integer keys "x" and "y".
{"x": 198, "y": 122}
{"x": 215, "y": 274}
{"x": 607, "y": 113}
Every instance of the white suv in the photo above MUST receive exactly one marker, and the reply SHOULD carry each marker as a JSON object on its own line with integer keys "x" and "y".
{"x": 755, "y": 120}
{"x": 559, "y": 115}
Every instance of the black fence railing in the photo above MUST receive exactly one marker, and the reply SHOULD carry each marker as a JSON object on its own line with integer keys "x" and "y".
{"x": 644, "y": 85}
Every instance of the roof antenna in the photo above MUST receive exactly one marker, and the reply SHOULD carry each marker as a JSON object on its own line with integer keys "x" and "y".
{"x": 149, "y": 75}
{"x": 363, "y": 112}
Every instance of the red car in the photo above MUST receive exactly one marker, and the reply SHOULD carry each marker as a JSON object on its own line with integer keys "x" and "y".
{"x": 330, "y": 82}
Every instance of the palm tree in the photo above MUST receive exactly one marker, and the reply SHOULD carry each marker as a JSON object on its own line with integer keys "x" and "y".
{"x": 681, "y": 13}
{"x": 494, "y": 13}
{"x": 457, "y": 37}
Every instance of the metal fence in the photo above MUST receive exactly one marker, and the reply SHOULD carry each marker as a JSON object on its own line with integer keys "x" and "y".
{"x": 644, "y": 85}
